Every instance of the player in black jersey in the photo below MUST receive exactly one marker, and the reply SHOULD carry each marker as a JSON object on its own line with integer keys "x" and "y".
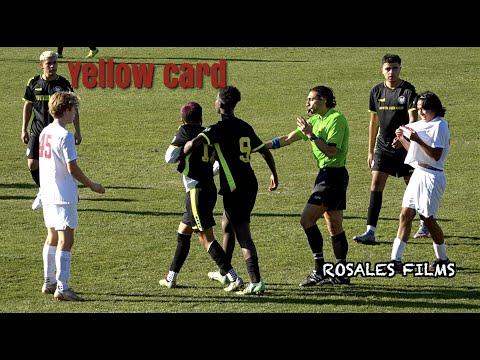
{"x": 234, "y": 141}
{"x": 200, "y": 198}
{"x": 37, "y": 93}
{"x": 391, "y": 105}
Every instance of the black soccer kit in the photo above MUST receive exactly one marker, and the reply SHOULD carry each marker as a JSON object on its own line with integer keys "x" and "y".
{"x": 392, "y": 107}
{"x": 38, "y": 92}
{"x": 234, "y": 141}
{"x": 198, "y": 165}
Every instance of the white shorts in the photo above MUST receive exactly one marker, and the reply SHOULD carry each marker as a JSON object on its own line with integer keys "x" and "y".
{"x": 424, "y": 191}
{"x": 60, "y": 216}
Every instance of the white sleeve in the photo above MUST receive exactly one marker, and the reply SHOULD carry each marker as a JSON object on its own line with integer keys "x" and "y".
{"x": 216, "y": 168}
{"x": 172, "y": 154}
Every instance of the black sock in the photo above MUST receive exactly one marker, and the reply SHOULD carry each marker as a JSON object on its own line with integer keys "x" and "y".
{"x": 374, "y": 207}
{"x": 181, "y": 253}
{"x": 36, "y": 176}
{"x": 253, "y": 269}
{"x": 218, "y": 255}
{"x": 340, "y": 247}
{"x": 315, "y": 240}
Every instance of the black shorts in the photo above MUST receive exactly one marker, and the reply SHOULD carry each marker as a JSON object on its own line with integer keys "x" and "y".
{"x": 391, "y": 164}
{"x": 239, "y": 204}
{"x": 200, "y": 203}
{"x": 330, "y": 188}
{"x": 32, "y": 146}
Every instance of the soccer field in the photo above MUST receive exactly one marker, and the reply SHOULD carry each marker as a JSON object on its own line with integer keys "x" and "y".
{"x": 126, "y": 237}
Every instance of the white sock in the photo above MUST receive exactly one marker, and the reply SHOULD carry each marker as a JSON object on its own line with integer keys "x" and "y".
{"x": 232, "y": 275}
{"x": 172, "y": 276}
{"x": 62, "y": 261}
{"x": 49, "y": 267}
{"x": 397, "y": 249}
{"x": 440, "y": 251}
{"x": 371, "y": 228}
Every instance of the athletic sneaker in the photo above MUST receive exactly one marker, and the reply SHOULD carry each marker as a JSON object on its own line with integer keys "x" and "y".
{"x": 253, "y": 289}
{"x": 397, "y": 265}
{"x": 422, "y": 232}
{"x": 67, "y": 295}
{"x": 37, "y": 203}
{"x": 235, "y": 285}
{"x": 438, "y": 262}
{"x": 336, "y": 280}
{"x": 49, "y": 288}
{"x": 215, "y": 275}
{"x": 312, "y": 279}
{"x": 366, "y": 238}
{"x": 168, "y": 284}
{"x": 92, "y": 53}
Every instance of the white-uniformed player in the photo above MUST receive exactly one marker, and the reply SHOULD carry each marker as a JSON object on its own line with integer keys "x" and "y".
{"x": 427, "y": 150}
{"x": 59, "y": 173}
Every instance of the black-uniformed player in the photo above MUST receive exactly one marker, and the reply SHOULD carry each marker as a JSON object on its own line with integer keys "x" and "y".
{"x": 37, "y": 93}
{"x": 200, "y": 198}
{"x": 234, "y": 141}
{"x": 391, "y": 105}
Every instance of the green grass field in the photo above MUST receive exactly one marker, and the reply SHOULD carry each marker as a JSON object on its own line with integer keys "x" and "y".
{"x": 127, "y": 237}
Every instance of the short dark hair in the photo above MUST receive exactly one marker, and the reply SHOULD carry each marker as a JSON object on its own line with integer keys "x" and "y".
{"x": 191, "y": 112}
{"x": 326, "y": 93}
{"x": 229, "y": 96}
{"x": 431, "y": 102}
{"x": 391, "y": 58}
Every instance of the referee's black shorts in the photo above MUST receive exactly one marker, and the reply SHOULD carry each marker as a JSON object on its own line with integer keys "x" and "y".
{"x": 330, "y": 188}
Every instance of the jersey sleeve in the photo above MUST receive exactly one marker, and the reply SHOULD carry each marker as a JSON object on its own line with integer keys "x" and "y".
{"x": 372, "y": 107}
{"x": 69, "y": 149}
{"x": 29, "y": 96}
{"x": 336, "y": 133}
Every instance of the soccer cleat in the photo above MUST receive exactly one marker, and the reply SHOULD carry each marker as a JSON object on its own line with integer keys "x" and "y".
{"x": 235, "y": 285}
{"x": 67, "y": 295}
{"x": 422, "y": 232}
{"x": 37, "y": 203}
{"x": 49, "y": 288}
{"x": 336, "y": 280}
{"x": 215, "y": 275}
{"x": 92, "y": 53}
{"x": 438, "y": 262}
{"x": 312, "y": 279}
{"x": 366, "y": 238}
{"x": 397, "y": 265}
{"x": 168, "y": 284}
{"x": 253, "y": 289}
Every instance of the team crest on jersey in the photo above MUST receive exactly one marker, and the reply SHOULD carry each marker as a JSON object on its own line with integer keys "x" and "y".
{"x": 57, "y": 89}
{"x": 401, "y": 100}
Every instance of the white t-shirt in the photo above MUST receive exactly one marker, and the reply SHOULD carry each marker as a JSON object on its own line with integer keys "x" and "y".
{"x": 434, "y": 133}
{"x": 57, "y": 148}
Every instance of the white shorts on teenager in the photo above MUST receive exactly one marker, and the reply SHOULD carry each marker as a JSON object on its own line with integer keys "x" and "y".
{"x": 60, "y": 216}
{"x": 424, "y": 191}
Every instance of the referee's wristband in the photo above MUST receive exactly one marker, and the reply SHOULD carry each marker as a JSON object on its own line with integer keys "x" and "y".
{"x": 275, "y": 143}
{"x": 313, "y": 137}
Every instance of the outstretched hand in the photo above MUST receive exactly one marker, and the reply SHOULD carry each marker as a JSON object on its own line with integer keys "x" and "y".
{"x": 273, "y": 183}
